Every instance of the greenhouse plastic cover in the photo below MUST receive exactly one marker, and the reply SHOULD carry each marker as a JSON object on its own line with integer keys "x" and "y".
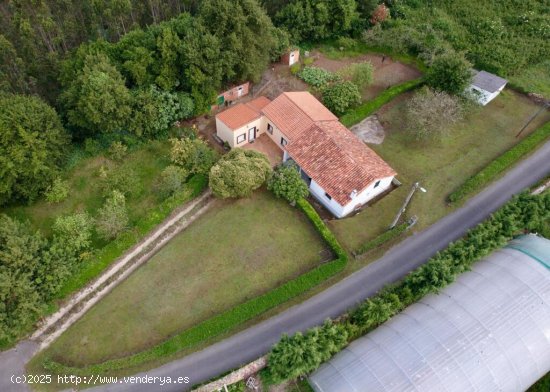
{"x": 487, "y": 331}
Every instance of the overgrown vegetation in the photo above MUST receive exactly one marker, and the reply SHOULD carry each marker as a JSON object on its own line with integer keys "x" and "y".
{"x": 502, "y": 163}
{"x": 289, "y": 359}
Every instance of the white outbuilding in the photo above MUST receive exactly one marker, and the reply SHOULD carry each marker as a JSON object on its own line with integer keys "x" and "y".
{"x": 486, "y": 86}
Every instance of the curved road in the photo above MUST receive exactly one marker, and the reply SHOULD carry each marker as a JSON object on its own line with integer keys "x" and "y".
{"x": 255, "y": 341}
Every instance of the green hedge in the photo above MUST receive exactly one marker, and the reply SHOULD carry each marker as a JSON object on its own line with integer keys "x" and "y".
{"x": 232, "y": 318}
{"x": 116, "y": 248}
{"x": 376, "y": 242}
{"x": 502, "y": 163}
{"x": 364, "y": 110}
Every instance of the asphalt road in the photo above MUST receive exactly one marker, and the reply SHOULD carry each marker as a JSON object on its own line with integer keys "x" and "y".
{"x": 255, "y": 341}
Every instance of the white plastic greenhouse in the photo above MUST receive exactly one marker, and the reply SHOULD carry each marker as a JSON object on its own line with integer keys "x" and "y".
{"x": 487, "y": 331}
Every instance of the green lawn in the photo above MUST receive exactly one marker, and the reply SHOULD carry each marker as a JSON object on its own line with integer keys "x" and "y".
{"x": 236, "y": 251}
{"x": 440, "y": 166}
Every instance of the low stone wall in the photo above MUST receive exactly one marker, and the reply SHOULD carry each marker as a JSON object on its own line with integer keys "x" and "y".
{"x": 236, "y": 376}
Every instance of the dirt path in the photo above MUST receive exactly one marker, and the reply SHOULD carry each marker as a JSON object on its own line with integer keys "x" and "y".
{"x": 387, "y": 72}
{"x": 72, "y": 310}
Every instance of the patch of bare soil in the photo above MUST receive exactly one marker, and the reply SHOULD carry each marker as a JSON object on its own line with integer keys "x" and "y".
{"x": 387, "y": 72}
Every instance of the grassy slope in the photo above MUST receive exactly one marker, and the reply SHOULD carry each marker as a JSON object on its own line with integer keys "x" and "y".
{"x": 85, "y": 192}
{"x": 236, "y": 251}
{"x": 439, "y": 166}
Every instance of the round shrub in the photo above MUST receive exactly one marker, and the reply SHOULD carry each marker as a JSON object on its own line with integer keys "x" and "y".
{"x": 287, "y": 183}
{"x": 317, "y": 77}
{"x": 341, "y": 96}
{"x": 239, "y": 173}
{"x": 450, "y": 72}
{"x": 57, "y": 191}
{"x": 171, "y": 180}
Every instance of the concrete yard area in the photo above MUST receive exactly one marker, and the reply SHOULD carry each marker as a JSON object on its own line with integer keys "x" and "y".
{"x": 370, "y": 130}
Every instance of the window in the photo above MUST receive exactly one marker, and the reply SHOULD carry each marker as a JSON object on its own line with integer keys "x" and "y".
{"x": 283, "y": 142}
{"x": 241, "y": 138}
{"x": 270, "y": 128}
{"x": 377, "y": 183}
{"x": 328, "y": 196}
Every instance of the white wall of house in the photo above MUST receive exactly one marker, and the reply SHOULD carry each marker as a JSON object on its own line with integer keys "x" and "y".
{"x": 483, "y": 97}
{"x": 225, "y": 133}
{"x": 234, "y": 137}
{"x": 275, "y": 134}
{"x": 367, "y": 194}
{"x": 363, "y": 197}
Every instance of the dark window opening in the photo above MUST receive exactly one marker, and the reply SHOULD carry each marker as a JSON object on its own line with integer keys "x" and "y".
{"x": 328, "y": 196}
{"x": 283, "y": 142}
{"x": 377, "y": 183}
{"x": 270, "y": 128}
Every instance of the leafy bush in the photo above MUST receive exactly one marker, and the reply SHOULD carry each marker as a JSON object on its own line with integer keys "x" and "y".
{"x": 172, "y": 179}
{"x": 230, "y": 319}
{"x": 285, "y": 181}
{"x": 300, "y": 354}
{"x": 57, "y": 191}
{"x": 295, "y": 68}
{"x": 290, "y": 358}
{"x": 185, "y": 107}
{"x": 341, "y": 96}
{"x": 317, "y": 77}
{"x": 239, "y": 173}
{"x": 345, "y": 43}
{"x": 309, "y": 60}
{"x": 123, "y": 179}
{"x": 450, "y": 72}
{"x": 193, "y": 154}
{"x": 502, "y": 163}
{"x": 430, "y": 114}
{"x": 361, "y": 112}
{"x": 117, "y": 151}
{"x": 361, "y": 74}
{"x": 381, "y": 239}
{"x": 112, "y": 218}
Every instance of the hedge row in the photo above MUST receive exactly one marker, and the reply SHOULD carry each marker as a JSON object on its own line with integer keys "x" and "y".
{"x": 359, "y": 113}
{"x": 523, "y": 212}
{"x": 502, "y": 163}
{"x": 232, "y": 318}
{"x": 376, "y": 242}
{"x": 116, "y": 248}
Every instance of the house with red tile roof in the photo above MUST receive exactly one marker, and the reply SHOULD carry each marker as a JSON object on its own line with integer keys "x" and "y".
{"x": 341, "y": 171}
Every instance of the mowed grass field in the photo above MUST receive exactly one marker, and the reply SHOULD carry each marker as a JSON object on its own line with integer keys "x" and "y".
{"x": 235, "y": 251}
{"x": 439, "y": 166}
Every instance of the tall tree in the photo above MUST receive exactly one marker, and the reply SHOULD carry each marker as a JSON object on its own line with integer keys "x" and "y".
{"x": 245, "y": 33}
{"x": 98, "y": 100}
{"x": 32, "y": 146}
